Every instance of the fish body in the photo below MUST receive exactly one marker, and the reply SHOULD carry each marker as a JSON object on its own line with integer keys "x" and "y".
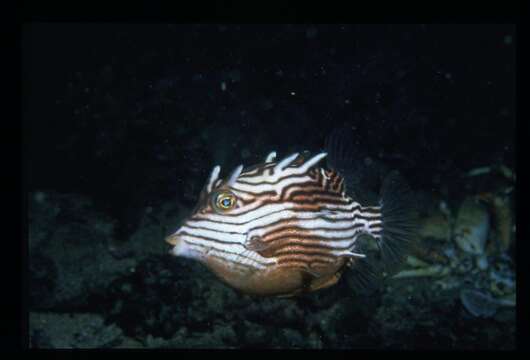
{"x": 281, "y": 227}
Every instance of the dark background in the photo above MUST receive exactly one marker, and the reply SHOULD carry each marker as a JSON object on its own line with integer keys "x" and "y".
{"x": 134, "y": 114}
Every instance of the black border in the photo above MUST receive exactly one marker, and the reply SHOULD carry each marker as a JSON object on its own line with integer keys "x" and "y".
{"x": 14, "y": 323}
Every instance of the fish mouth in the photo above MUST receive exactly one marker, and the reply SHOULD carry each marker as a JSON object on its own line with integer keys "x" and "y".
{"x": 179, "y": 247}
{"x": 172, "y": 239}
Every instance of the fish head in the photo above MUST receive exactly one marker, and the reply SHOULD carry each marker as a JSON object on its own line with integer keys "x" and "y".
{"x": 212, "y": 229}
{"x": 233, "y": 215}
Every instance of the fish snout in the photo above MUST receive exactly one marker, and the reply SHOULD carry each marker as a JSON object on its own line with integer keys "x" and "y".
{"x": 179, "y": 246}
{"x": 172, "y": 239}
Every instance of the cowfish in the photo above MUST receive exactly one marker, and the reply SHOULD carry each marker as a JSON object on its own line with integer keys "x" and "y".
{"x": 290, "y": 226}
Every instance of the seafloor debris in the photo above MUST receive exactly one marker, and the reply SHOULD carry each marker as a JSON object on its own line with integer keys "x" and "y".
{"x": 502, "y": 170}
{"x": 479, "y": 171}
{"x": 433, "y": 270}
{"x": 481, "y": 304}
{"x": 469, "y": 259}
{"x": 50, "y": 330}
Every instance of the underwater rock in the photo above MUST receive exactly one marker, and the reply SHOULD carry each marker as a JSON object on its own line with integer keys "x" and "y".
{"x": 70, "y": 250}
{"x": 330, "y": 322}
{"x": 292, "y": 338}
{"x": 225, "y": 332}
{"x": 255, "y": 334}
{"x": 71, "y": 253}
{"x": 292, "y": 314}
{"x": 315, "y": 341}
{"x": 471, "y": 227}
{"x": 130, "y": 343}
{"x": 78, "y": 331}
{"x": 164, "y": 296}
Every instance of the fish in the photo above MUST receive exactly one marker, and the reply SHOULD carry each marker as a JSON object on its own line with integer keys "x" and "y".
{"x": 290, "y": 226}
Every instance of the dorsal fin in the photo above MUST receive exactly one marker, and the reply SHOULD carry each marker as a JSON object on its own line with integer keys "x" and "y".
{"x": 362, "y": 174}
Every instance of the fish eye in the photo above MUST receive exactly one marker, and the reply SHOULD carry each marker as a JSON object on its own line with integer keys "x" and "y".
{"x": 224, "y": 201}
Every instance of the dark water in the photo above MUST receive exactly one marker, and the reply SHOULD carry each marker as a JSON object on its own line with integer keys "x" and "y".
{"x": 123, "y": 123}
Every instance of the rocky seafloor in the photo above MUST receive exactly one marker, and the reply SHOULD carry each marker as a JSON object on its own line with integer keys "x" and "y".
{"x": 86, "y": 290}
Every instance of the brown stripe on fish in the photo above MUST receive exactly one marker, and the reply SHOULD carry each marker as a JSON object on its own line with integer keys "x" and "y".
{"x": 307, "y": 258}
{"x": 323, "y": 245}
{"x": 307, "y": 233}
{"x": 317, "y": 198}
{"x": 314, "y": 245}
{"x": 310, "y": 264}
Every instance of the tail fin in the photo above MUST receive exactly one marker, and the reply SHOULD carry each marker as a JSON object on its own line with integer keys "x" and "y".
{"x": 394, "y": 231}
{"x": 399, "y": 221}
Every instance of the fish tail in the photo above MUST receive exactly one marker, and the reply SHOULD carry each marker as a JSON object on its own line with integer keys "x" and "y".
{"x": 393, "y": 226}
{"x": 399, "y": 221}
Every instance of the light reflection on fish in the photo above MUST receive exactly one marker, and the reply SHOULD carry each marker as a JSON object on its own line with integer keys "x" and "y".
{"x": 287, "y": 227}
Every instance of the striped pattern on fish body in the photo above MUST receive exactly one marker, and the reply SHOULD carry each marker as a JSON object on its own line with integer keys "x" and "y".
{"x": 277, "y": 228}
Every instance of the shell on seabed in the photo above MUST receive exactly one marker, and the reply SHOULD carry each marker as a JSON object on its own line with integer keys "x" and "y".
{"x": 471, "y": 227}
{"x": 500, "y": 209}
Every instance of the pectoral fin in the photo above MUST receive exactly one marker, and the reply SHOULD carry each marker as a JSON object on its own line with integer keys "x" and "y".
{"x": 324, "y": 281}
{"x": 256, "y": 243}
